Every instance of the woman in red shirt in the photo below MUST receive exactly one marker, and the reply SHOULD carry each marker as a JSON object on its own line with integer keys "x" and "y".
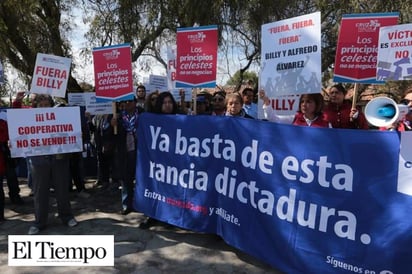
{"x": 339, "y": 112}
{"x": 310, "y": 111}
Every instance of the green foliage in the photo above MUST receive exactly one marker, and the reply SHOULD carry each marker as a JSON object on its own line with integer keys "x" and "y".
{"x": 28, "y": 27}
{"x": 31, "y": 26}
{"x": 240, "y": 78}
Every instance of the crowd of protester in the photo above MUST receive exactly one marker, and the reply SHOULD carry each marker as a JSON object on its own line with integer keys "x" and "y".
{"x": 113, "y": 141}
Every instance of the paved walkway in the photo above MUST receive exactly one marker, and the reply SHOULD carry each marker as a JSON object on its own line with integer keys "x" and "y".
{"x": 160, "y": 249}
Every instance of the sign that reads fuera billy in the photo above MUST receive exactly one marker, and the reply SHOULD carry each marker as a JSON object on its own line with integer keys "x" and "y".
{"x": 51, "y": 74}
{"x": 196, "y": 57}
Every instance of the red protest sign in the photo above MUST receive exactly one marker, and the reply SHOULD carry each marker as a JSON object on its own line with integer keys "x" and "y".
{"x": 113, "y": 73}
{"x": 196, "y": 57}
{"x": 357, "y": 48}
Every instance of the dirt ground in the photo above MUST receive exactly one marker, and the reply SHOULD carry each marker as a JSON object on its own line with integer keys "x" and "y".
{"x": 160, "y": 249}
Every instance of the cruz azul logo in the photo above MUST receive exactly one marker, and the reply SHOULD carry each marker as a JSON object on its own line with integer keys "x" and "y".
{"x": 197, "y": 38}
{"x": 112, "y": 55}
{"x": 61, "y": 250}
{"x": 370, "y": 26}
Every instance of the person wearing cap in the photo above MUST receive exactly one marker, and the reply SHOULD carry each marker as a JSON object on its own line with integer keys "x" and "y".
{"x": 339, "y": 112}
{"x": 202, "y": 105}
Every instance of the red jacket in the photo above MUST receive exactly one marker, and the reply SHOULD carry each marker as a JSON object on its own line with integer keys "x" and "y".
{"x": 17, "y": 104}
{"x": 301, "y": 121}
{"x": 338, "y": 116}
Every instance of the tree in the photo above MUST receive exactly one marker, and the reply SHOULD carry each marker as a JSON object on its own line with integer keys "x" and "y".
{"x": 31, "y": 26}
{"x": 28, "y": 27}
{"x": 149, "y": 26}
{"x": 247, "y": 77}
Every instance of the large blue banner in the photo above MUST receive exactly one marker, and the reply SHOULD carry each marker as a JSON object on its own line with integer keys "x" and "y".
{"x": 304, "y": 200}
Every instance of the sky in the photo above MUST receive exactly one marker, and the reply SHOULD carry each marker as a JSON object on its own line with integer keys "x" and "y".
{"x": 84, "y": 72}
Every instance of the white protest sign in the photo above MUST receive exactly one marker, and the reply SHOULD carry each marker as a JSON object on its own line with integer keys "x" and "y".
{"x": 95, "y": 108}
{"x": 171, "y": 67}
{"x": 158, "y": 82}
{"x": 76, "y": 99}
{"x": 291, "y": 56}
{"x": 51, "y": 74}
{"x": 44, "y": 131}
{"x": 394, "y": 53}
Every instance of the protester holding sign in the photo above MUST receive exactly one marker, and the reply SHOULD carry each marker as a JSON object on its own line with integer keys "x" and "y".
{"x": 339, "y": 112}
{"x": 126, "y": 143}
{"x": 48, "y": 171}
{"x": 165, "y": 104}
{"x": 203, "y": 102}
{"x": 309, "y": 113}
{"x": 269, "y": 113}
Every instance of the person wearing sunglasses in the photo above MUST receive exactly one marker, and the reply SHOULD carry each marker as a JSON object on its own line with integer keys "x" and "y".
{"x": 219, "y": 103}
